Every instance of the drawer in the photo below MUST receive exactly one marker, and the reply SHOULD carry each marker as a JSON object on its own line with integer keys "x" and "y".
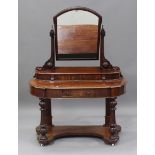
{"x": 83, "y": 93}
{"x": 78, "y": 77}
{"x": 78, "y": 93}
{"x": 53, "y": 77}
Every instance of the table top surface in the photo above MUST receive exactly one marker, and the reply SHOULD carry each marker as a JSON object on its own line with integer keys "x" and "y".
{"x": 77, "y": 84}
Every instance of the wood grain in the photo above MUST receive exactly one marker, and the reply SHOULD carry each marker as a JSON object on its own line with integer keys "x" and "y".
{"x": 77, "y": 70}
{"x": 77, "y": 89}
{"x": 77, "y": 39}
{"x": 77, "y": 84}
{"x": 77, "y": 73}
{"x": 61, "y": 131}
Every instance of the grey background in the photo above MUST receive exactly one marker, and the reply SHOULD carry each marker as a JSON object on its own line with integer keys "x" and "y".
{"x": 35, "y": 21}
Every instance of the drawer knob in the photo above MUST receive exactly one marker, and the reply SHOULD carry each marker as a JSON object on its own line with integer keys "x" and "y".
{"x": 88, "y": 92}
{"x": 103, "y": 78}
{"x": 52, "y": 78}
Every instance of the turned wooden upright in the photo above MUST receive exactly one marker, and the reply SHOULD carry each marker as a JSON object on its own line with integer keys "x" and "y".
{"x": 104, "y": 81}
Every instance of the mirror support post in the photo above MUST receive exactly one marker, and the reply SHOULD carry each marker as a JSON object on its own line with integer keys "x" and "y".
{"x": 104, "y": 63}
{"x": 50, "y": 63}
{"x": 102, "y": 46}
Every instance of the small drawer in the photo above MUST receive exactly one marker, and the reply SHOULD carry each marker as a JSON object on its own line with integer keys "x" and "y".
{"x": 67, "y": 93}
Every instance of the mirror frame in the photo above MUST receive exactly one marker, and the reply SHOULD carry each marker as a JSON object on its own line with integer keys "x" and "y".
{"x": 86, "y": 56}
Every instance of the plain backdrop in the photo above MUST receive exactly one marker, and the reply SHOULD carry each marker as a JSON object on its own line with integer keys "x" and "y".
{"x": 35, "y": 21}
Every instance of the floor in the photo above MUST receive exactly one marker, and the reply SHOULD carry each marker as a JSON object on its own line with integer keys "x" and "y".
{"x": 81, "y": 112}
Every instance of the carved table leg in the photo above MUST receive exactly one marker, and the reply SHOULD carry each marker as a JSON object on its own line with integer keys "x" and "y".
{"x": 110, "y": 120}
{"x": 46, "y": 121}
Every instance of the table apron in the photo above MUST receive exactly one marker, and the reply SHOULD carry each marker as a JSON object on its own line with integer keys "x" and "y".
{"x": 78, "y": 93}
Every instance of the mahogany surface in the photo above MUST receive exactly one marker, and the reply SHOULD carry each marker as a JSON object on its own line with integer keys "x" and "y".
{"x": 99, "y": 131}
{"x": 77, "y": 84}
{"x": 77, "y": 89}
{"x": 76, "y": 39}
{"x": 77, "y": 73}
{"x": 104, "y": 81}
{"x": 77, "y": 70}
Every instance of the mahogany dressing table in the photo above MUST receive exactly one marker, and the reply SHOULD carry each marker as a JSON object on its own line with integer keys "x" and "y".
{"x": 74, "y": 39}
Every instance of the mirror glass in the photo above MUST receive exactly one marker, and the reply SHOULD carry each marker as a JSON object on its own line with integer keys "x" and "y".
{"x": 77, "y": 35}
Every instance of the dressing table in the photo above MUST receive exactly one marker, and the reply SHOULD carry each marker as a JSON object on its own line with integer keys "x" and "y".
{"x": 77, "y": 35}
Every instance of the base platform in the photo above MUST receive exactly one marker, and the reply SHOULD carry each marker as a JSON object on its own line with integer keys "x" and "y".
{"x": 108, "y": 134}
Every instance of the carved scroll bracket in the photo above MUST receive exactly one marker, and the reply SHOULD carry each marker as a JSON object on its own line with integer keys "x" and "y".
{"x": 104, "y": 63}
{"x": 50, "y": 63}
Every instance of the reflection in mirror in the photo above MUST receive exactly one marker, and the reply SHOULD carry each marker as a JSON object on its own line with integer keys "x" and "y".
{"x": 77, "y": 35}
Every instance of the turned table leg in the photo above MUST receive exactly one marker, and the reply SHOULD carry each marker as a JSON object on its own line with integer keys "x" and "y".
{"x": 110, "y": 120}
{"x": 46, "y": 121}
